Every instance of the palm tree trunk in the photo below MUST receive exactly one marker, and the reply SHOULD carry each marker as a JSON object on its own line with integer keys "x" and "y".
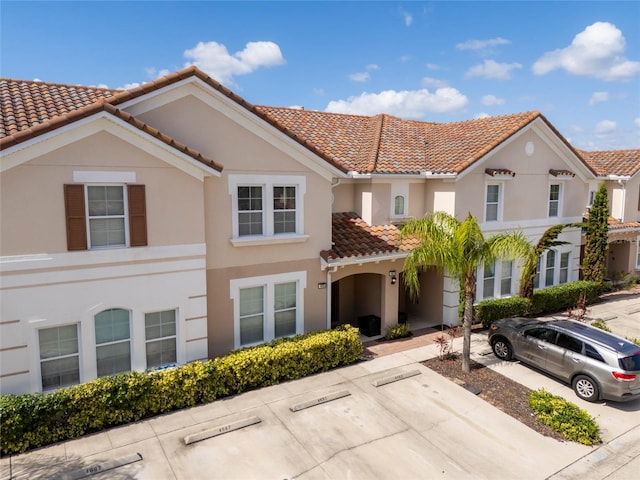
{"x": 469, "y": 291}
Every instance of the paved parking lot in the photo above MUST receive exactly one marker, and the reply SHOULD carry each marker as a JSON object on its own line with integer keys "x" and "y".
{"x": 389, "y": 417}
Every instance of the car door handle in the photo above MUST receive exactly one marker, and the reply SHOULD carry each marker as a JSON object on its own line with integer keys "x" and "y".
{"x": 541, "y": 347}
{"x": 576, "y": 359}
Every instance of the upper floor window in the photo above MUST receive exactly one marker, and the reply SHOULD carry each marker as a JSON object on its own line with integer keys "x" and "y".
{"x": 105, "y": 216}
{"x": 268, "y": 307}
{"x": 493, "y": 201}
{"x": 266, "y": 206}
{"x": 555, "y": 192}
{"x": 160, "y": 338}
{"x": 399, "y": 206}
{"x": 59, "y": 357}
{"x": 113, "y": 341}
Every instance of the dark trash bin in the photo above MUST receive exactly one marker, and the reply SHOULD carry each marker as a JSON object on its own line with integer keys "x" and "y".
{"x": 402, "y": 317}
{"x": 369, "y": 325}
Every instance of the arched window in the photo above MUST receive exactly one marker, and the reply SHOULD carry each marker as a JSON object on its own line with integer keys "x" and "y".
{"x": 398, "y": 205}
{"x": 113, "y": 341}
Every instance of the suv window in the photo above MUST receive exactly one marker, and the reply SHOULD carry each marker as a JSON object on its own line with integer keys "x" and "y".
{"x": 542, "y": 333}
{"x": 568, "y": 342}
{"x": 592, "y": 353}
{"x": 630, "y": 363}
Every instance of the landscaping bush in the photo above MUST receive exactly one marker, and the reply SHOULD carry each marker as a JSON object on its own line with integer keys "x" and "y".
{"x": 564, "y": 417}
{"x": 601, "y": 325}
{"x": 400, "y": 330}
{"x": 560, "y": 298}
{"x": 34, "y": 420}
{"x": 488, "y": 311}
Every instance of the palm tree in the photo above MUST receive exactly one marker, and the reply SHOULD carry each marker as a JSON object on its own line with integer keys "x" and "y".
{"x": 548, "y": 240}
{"x": 457, "y": 247}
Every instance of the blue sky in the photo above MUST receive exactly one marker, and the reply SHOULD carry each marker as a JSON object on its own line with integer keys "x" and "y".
{"x": 576, "y": 62}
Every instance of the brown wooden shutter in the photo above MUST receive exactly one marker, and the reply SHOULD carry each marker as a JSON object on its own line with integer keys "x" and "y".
{"x": 137, "y": 216}
{"x": 76, "y": 219}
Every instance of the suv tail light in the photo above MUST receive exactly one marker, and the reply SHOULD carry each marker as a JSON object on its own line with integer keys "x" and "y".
{"x": 624, "y": 377}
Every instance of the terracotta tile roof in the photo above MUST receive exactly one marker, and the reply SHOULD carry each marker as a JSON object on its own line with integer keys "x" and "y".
{"x": 355, "y": 238}
{"x": 613, "y": 162}
{"x": 25, "y": 104}
{"x": 561, "y": 173}
{"x": 615, "y": 224}
{"x": 499, "y": 171}
{"x": 103, "y": 106}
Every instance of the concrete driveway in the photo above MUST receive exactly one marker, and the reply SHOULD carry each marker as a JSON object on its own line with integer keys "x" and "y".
{"x": 379, "y": 419}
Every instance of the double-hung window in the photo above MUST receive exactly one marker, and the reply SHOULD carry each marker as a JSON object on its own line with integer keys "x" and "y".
{"x": 488, "y": 280}
{"x": 506, "y": 276}
{"x": 492, "y": 204}
{"x": 113, "y": 341}
{"x": 268, "y": 307}
{"x": 59, "y": 356}
{"x": 106, "y": 218}
{"x": 555, "y": 193}
{"x": 550, "y": 268}
{"x": 267, "y": 208}
{"x": 564, "y": 267}
{"x": 160, "y": 338}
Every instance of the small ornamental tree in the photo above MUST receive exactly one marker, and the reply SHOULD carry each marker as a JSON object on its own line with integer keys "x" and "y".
{"x": 596, "y": 232}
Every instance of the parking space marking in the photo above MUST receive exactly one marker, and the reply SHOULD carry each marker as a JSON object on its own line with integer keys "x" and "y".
{"x": 221, "y": 430}
{"x": 319, "y": 400}
{"x": 101, "y": 467}
{"x": 395, "y": 378}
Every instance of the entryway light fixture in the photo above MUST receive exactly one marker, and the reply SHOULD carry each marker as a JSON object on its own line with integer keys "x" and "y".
{"x": 392, "y": 274}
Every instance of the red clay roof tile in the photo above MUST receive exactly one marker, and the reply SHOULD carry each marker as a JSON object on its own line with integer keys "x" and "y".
{"x": 613, "y": 162}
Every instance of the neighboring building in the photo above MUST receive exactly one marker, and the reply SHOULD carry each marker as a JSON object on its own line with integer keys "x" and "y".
{"x": 618, "y": 169}
{"x": 176, "y": 221}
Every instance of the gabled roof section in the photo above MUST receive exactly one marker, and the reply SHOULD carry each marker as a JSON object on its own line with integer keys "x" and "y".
{"x": 96, "y": 108}
{"x": 355, "y": 239}
{"x": 613, "y": 162}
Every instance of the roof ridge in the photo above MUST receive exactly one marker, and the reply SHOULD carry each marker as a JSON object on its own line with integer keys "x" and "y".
{"x": 64, "y": 85}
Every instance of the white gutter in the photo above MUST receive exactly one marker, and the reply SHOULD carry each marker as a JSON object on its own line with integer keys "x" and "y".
{"x": 361, "y": 260}
{"x": 429, "y": 174}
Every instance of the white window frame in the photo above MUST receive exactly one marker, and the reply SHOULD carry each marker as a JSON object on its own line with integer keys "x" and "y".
{"x": 638, "y": 252}
{"x": 499, "y": 203}
{"x": 148, "y": 341}
{"x": 124, "y": 216}
{"x": 77, "y": 354}
{"x": 565, "y": 269}
{"x": 559, "y": 200}
{"x": 268, "y": 182}
{"x": 268, "y": 282}
{"x": 496, "y": 280}
{"x": 129, "y": 340}
{"x": 399, "y": 190}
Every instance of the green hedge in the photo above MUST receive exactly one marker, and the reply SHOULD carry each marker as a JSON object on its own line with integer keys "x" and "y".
{"x": 558, "y": 298}
{"x": 34, "y": 420}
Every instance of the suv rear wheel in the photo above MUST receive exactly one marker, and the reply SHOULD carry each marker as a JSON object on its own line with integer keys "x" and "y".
{"x": 586, "y": 388}
{"x": 502, "y": 349}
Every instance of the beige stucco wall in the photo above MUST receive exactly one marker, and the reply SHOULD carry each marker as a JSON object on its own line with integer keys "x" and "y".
{"x": 525, "y": 195}
{"x": 32, "y": 197}
{"x": 220, "y": 305}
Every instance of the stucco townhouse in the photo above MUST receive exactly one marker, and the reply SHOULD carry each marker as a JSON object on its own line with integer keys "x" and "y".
{"x": 176, "y": 221}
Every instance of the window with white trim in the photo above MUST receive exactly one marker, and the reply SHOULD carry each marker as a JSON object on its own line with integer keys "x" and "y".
{"x": 267, "y": 206}
{"x": 506, "y": 278}
{"x": 160, "y": 338}
{"x": 564, "y": 268}
{"x": 59, "y": 356}
{"x": 399, "y": 206}
{"x": 536, "y": 279}
{"x": 493, "y": 202}
{"x": 489, "y": 277}
{"x": 106, "y": 216}
{"x": 269, "y": 307}
{"x": 555, "y": 197}
{"x": 550, "y": 268}
{"x": 113, "y": 341}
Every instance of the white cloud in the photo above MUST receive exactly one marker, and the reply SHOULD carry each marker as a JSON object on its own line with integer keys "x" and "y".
{"x": 433, "y": 66}
{"x": 405, "y": 104}
{"x": 598, "y": 97}
{"x": 408, "y": 18}
{"x": 594, "y": 52}
{"x": 493, "y": 69}
{"x": 480, "y": 115}
{"x": 489, "y": 100}
{"x": 372, "y": 66}
{"x": 360, "y": 76}
{"x": 605, "y": 127}
{"x": 129, "y": 86}
{"x": 154, "y": 73}
{"x": 480, "y": 44}
{"x": 405, "y": 58}
{"x": 434, "y": 82}
{"x": 213, "y": 58}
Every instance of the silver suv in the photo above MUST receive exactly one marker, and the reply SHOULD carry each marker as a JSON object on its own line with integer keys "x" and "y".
{"x": 597, "y": 364}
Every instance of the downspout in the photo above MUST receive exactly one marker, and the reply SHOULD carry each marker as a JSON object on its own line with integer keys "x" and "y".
{"x": 329, "y": 272}
{"x": 623, "y": 199}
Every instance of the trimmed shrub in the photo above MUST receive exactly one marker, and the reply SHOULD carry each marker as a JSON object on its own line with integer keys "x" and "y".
{"x": 564, "y": 417}
{"x": 400, "y": 330}
{"x": 560, "y": 298}
{"x": 488, "y": 311}
{"x": 34, "y": 420}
